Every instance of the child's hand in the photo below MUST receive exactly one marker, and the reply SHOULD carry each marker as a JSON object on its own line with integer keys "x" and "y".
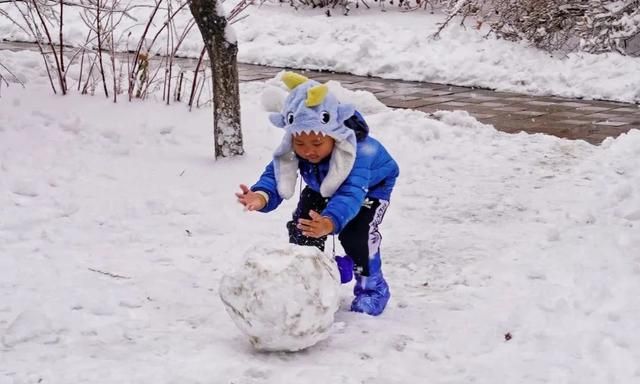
{"x": 318, "y": 226}
{"x": 252, "y": 201}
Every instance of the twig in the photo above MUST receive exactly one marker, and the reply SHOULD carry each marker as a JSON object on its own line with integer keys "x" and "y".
{"x": 457, "y": 9}
{"x": 12, "y": 75}
{"x": 132, "y": 79}
{"x": 62, "y": 44}
{"x": 63, "y": 86}
{"x": 169, "y": 68}
{"x": 82, "y": 60}
{"x": 89, "y": 75}
{"x": 165, "y": 24}
{"x": 6, "y": 15}
{"x": 149, "y": 80}
{"x": 113, "y": 54}
{"x": 115, "y": 276}
{"x": 175, "y": 49}
{"x": 38, "y": 37}
{"x": 100, "y": 63}
{"x": 179, "y": 88}
{"x": 195, "y": 78}
{"x": 201, "y": 89}
{"x": 241, "y": 6}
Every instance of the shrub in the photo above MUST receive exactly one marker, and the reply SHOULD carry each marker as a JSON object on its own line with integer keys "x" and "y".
{"x": 590, "y": 25}
{"x": 594, "y": 26}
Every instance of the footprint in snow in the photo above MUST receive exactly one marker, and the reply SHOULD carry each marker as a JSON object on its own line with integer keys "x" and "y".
{"x": 400, "y": 342}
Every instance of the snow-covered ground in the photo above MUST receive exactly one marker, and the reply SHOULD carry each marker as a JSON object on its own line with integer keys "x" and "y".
{"x": 511, "y": 258}
{"x": 116, "y": 226}
{"x": 392, "y": 44}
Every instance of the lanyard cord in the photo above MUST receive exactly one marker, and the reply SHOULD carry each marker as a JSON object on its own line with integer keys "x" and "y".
{"x": 333, "y": 251}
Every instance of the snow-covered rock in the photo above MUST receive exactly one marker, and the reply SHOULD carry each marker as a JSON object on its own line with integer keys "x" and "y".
{"x": 283, "y": 298}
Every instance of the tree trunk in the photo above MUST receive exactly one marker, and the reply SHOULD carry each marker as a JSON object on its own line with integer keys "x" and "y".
{"x": 211, "y": 21}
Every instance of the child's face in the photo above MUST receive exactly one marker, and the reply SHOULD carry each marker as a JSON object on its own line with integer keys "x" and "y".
{"x": 313, "y": 147}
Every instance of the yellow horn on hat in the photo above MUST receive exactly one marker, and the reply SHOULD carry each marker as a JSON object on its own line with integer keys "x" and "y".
{"x": 316, "y": 95}
{"x": 292, "y": 79}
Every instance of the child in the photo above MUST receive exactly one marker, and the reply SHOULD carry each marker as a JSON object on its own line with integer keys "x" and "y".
{"x": 349, "y": 177}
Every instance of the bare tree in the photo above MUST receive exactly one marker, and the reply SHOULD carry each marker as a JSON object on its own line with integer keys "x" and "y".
{"x": 222, "y": 49}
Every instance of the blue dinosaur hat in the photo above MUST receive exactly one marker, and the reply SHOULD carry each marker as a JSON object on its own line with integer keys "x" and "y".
{"x": 310, "y": 107}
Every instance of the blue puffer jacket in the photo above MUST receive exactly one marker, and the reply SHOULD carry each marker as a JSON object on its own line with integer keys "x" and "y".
{"x": 373, "y": 175}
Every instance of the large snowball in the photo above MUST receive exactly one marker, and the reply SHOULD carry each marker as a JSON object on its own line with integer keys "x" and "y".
{"x": 283, "y": 298}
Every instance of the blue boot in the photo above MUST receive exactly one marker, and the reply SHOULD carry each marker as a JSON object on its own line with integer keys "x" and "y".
{"x": 372, "y": 294}
{"x": 345, "y": 267}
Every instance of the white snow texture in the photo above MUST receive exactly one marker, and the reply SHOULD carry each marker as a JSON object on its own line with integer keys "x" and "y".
{"x": 283, "y": 298}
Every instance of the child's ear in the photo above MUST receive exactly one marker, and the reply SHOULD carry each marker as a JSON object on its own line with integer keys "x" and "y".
{"x": 277, "y": 119}
{"x": 345, "y": 111}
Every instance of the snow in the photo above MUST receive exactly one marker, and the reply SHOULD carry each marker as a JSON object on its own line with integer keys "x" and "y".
{"x": 283, "y": 298}
{"x": 117, "y": 227}
{"x": 391, "y": 44}
{"x": 398, "y": 46}
{"x": 510, "y": 258}
{"x": 28, "y": 326}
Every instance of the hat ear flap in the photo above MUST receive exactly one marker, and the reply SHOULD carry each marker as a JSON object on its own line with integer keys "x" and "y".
{"x": 342, "y": 160}
{"x": 285, "y": 167}
{"x": 277, "y": 119}
{"x": 345, "y": 111}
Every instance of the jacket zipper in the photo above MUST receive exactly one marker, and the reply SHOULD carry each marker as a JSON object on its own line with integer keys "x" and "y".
{"x": 316, "y": 172}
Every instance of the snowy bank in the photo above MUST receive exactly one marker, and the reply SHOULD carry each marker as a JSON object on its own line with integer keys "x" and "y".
{"x": 394, "y": 45}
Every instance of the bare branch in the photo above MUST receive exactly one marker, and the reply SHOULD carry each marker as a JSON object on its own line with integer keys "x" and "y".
{"x": 115, "y": 276}
{"x": 132, "y": 79}
{"x": 15, "y": 78}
